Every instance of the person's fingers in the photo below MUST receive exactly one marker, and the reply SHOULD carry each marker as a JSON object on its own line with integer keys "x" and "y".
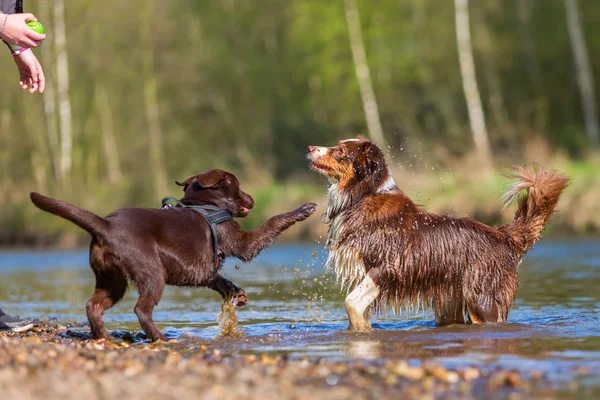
{"x": 26, "y": 81}
{"x": 41, "y": 79}
{"x": 27, "y": 42}
{"x": 36, "y": 37}
{"x": 33, "y": 73}
{"x": 31, "y": 41}
{"x": 33, "y": 88}
{"x": 30, "y": 37}
{"x": 29, "y": 17}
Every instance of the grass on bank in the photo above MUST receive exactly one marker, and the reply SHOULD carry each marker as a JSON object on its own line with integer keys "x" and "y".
{"x": 460, "y": 188}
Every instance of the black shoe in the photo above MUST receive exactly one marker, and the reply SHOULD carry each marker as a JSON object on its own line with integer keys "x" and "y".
{"x": 12, "y": 324}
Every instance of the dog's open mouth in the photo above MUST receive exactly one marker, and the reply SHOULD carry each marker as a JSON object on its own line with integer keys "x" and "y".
{"x": 319, "y": 167}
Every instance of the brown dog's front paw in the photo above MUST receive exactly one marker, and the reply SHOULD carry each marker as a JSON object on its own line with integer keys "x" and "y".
{"x": 240, "y": 299}
{"x": 305, "y": 211}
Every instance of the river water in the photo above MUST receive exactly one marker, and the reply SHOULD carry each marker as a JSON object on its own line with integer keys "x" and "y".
{"x": 295, "y": 307}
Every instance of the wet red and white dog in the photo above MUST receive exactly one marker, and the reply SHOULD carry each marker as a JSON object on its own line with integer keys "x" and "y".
{"x": 392, "y": 253}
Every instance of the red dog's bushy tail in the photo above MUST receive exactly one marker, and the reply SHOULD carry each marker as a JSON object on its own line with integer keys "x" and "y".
{"x": 543, "y": 188}
{"x": 84, "y": 219}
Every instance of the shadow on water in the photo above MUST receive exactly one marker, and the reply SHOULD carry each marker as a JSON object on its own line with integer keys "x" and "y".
{"x": 296, "y": 309}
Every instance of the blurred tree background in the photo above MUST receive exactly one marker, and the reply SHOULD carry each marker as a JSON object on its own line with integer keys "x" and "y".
{"x": 141, "y": 93}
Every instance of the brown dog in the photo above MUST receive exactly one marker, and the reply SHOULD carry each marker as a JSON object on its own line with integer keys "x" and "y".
{"x": 155, "y": 247}
{"x": 390, "y": 251}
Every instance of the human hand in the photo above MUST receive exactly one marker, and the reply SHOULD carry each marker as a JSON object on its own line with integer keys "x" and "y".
{"x": 30, "y": 71}
{"x": 17, "y": 32}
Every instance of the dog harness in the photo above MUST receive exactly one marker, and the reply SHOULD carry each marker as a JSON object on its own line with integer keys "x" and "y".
{"x": 213, "y": 215}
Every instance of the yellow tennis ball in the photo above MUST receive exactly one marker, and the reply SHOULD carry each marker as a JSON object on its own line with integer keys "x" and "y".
{"x": 36, "y": 26}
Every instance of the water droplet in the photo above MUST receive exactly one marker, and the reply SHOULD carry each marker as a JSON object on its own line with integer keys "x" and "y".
{"x": 332, "y": 380}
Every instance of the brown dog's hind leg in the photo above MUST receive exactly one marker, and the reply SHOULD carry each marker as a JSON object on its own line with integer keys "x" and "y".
{"x": 110, "y": 288}
{"x": 150, "y": 295}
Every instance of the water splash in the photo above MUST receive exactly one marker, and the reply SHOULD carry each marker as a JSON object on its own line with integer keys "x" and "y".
{"x": 227, "y": 320}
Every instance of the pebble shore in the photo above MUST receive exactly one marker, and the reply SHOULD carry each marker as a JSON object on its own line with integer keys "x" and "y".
{"x": 56, "y": 361}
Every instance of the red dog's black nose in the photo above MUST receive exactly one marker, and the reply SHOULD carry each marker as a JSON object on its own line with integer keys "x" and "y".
{"x": 311, "y": 148}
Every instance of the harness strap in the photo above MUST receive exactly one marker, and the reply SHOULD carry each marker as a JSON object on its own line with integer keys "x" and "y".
{"x": 213, "y": 215}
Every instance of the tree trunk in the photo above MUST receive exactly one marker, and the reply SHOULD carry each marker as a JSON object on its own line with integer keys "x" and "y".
{"x": 151, "y": 104}
{"x": 469, "y": 80}
{"x": 584, "y": 76}
{"x": 62, "y": 83}
{"x": 49, "y": 98}
{"x": 539, "y": 109}
{"x": 39, "y": 164}
{"x": 363, "y": 73}
{"x": 499, "y": 111}
{"x": 110, "y": 145}
{"x": 6, "y": 127}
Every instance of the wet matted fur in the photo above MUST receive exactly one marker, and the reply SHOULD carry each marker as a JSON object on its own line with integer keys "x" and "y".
{"x": 393, "y": 254}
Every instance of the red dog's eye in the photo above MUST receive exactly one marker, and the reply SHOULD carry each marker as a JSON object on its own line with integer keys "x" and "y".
{"x": 339, "y": 152}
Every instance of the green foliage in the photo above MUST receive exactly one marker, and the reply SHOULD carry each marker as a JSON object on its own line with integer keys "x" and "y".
{"x": 247, "y": 86}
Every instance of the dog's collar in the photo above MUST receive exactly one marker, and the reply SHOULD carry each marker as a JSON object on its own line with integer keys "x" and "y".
{"x": 213, "y": 215}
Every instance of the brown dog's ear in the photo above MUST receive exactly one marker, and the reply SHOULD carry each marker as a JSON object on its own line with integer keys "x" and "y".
{"x": 187, "y": 182}
{"x": 209, "y": 178}
{"x": 362, "y": 138}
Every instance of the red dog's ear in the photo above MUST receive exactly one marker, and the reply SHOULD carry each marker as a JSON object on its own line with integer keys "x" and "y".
{"x": 369, "y": 161}
{"x": 187, "y": 182}
{"x": 210, "y": 178}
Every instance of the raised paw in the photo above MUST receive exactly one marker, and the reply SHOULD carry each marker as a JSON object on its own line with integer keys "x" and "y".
{"x": 240, "y": 299}
{"x": 305, "y": 211}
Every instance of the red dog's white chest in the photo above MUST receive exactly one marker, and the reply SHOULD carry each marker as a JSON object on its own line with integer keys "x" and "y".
{"x": 343, "y": 258}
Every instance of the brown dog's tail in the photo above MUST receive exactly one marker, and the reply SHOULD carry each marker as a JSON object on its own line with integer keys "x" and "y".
{"x": 82, "y": 218}
{"x": 535, "y": 207}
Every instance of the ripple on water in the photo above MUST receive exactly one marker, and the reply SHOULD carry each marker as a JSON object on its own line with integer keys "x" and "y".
{"x": 296, "y": 309}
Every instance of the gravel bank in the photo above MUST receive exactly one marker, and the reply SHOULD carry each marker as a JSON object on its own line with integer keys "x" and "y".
{"x": 57, "y": 362}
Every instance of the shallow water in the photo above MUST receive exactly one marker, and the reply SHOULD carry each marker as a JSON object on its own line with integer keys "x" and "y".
{"x": 297, "y": 309}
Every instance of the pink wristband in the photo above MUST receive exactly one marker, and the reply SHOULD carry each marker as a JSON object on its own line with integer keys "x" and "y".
{"x": 21, "y": 50}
